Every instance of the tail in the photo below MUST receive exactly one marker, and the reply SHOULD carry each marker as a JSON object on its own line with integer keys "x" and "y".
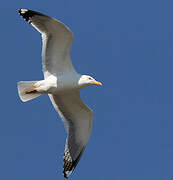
{"x": 27, "y": 91}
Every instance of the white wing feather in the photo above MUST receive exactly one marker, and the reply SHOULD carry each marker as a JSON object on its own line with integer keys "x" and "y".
{"x": 77, "y": 118}
{"x": 57, "y": 41}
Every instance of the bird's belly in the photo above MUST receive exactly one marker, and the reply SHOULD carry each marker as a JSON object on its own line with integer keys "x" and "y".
{"x": 48, "y": 86}
{"x": 53, "y": 85}
{"x": 58, "y": 89}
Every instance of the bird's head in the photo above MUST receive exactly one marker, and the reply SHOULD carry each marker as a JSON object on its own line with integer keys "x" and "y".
{"x": 86, "y": 80}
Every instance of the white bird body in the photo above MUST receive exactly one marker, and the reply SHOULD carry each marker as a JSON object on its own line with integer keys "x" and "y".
{"x": 53, "y": 84}
{"x": 62, "y": 83}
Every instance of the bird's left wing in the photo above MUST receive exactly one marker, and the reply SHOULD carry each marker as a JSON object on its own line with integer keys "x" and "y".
{"x": 77, "y": 119}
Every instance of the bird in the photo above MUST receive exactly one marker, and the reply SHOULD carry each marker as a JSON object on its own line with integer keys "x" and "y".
{"x": 62, "y": 84}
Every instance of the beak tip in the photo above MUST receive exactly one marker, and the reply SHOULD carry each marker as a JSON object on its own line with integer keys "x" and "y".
{"x": 97, "y": 83}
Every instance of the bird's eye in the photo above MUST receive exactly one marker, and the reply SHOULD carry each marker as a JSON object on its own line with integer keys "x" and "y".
{"x": 90, "y": 78}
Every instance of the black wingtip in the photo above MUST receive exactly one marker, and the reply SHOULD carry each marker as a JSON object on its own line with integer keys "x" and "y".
{"x": 66, "y": 171}
{"x": 65, "y": 175}
{"x": 25, "y": 13}
{"x": 28, "y": 14}
{"x": 69, "y": 164}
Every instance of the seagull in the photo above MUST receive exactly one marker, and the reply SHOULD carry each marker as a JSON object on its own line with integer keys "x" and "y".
{"x": 62, "y": 84}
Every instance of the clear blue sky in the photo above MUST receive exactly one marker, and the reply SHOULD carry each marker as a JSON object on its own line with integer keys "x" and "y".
{"x": 127, "y": 45}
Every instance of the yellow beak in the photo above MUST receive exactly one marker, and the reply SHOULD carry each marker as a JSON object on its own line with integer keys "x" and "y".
{"x": 97, "y": 83}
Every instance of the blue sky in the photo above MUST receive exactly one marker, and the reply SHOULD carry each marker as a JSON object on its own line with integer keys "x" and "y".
{"x": 127, "y": 45}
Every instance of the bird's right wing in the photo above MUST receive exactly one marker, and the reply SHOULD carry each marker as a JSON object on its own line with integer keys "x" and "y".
{"x": 57, "y": 41}
{"x": 77, "y": 119}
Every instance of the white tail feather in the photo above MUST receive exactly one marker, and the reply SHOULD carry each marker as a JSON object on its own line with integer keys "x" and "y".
{"x": 23, "y": 87}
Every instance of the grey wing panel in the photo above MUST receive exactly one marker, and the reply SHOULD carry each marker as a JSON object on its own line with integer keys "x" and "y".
{"x": 77, "y": 118}
{"x": 57, "y": 41}
{"x": 55, "y": 55}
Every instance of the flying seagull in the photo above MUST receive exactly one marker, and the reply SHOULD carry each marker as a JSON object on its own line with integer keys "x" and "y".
{"x": 62, "y": 84}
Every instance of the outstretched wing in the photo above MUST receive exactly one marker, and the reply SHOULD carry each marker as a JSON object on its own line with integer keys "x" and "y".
{"x": 77, "y": 118}
{"x": 57, "y": 41}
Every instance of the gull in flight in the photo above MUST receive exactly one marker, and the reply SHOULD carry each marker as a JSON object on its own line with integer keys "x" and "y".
{"x": 62, "y": 84}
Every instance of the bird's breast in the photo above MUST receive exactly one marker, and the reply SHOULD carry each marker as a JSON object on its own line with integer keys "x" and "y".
{"x": 59, "y": 84}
